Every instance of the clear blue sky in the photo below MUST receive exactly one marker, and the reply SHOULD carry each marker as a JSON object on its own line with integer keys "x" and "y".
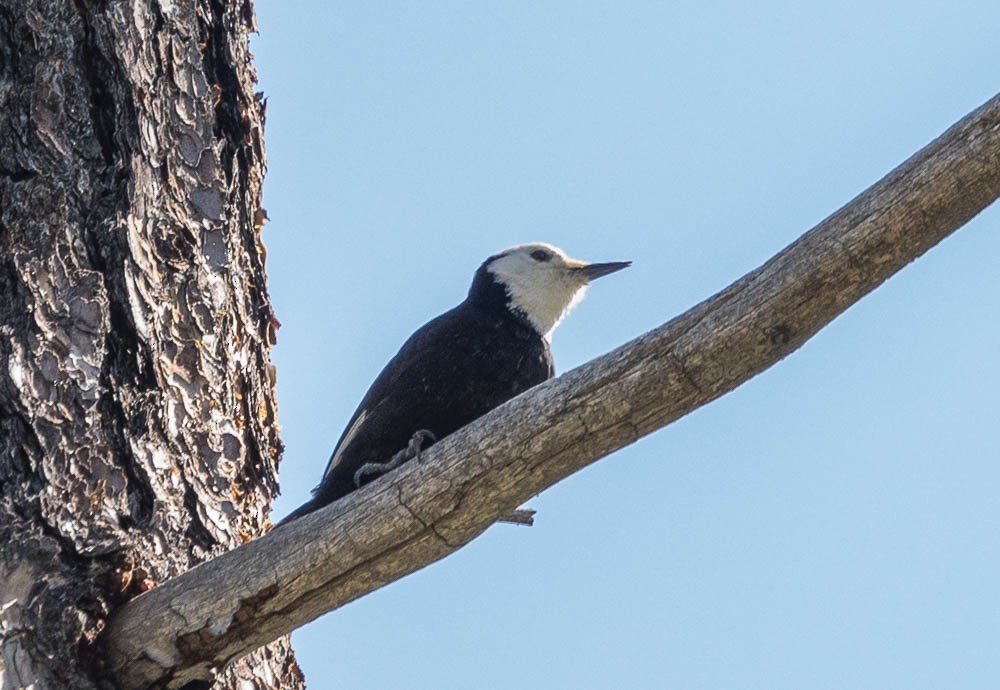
{"x": 835, "y": 522}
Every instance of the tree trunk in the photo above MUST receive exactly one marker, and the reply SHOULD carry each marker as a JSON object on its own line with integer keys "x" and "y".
{"x": 137, "y": 415}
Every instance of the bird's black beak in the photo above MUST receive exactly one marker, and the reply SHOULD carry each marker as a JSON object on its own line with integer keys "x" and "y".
{"x": 592, "y": 271}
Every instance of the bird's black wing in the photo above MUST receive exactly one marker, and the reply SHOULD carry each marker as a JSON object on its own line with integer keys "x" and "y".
{"x": 451, "y": 371}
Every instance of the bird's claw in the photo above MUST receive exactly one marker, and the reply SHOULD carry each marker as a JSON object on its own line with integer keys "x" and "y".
{"x": 411, "y": 452}
{"x": 416, "y": 443}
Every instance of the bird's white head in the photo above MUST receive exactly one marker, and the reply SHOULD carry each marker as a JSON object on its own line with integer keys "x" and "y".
{"x": 543, "y": 283}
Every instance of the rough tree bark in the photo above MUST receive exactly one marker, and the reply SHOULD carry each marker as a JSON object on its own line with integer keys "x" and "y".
{"x": 137, "y": 415}
{"x": 429, "y": 508}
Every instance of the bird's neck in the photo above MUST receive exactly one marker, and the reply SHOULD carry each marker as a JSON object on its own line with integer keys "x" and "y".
{"x": 489, "y": 295}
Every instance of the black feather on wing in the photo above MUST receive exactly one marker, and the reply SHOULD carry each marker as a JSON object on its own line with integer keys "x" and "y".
{"x": 453, "y": 370}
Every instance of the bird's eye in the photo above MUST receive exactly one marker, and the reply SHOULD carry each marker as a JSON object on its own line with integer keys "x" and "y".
{"x": 540, "y": 255}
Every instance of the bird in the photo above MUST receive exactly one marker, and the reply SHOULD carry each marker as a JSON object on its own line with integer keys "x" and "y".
{"x": 460, "y": 365}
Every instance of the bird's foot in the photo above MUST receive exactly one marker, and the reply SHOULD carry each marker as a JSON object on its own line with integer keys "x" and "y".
{"x": 411, "y": 452}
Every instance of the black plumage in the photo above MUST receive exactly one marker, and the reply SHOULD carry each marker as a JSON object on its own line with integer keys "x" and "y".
{"x": 451, "y": 371}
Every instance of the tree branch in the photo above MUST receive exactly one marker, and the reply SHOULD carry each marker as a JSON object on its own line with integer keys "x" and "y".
{"x": 199, "y": 621}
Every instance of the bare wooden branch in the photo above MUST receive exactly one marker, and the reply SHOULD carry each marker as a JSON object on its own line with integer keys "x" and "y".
{"x": 226, "y": 607}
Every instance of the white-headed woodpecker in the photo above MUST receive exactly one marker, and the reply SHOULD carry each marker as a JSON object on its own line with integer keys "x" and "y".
{"x": 460, "y": 365}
